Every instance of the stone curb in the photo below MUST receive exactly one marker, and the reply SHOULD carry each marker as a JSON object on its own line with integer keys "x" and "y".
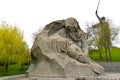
{"x": 106, "y": 76}
{"x": 12, "y": 77}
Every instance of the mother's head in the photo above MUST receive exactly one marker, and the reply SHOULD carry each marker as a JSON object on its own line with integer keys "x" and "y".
{"x": 71, "y": 24}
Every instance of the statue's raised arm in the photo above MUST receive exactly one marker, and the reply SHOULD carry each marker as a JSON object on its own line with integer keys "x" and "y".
{"x": 96, "y": 12}
{"x": 98, "y": 16}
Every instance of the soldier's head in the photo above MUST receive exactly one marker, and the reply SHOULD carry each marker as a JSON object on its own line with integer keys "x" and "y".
{"x": 103, "y": 19}
{"x": 71, "y": 24}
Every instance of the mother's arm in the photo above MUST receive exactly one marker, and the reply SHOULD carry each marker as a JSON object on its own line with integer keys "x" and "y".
{"x": 76, "y": 53}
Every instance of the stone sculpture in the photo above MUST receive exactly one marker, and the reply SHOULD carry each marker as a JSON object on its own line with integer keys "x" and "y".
{"x": 61, "y": 49}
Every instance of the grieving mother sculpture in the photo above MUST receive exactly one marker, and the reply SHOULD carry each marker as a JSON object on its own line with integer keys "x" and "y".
{"x": 61, "y": 49}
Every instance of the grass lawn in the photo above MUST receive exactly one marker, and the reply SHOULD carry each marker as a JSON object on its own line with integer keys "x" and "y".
{"x": 115, "y": 52}
{"x": 13, "y": 69}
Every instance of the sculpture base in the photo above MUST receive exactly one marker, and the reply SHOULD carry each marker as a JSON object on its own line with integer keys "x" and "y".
{"x": 63, "y": 66}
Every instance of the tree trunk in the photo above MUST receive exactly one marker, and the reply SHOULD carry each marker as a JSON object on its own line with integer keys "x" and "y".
{"x": 109, "y": 54}
{"x": 106, "y": 54}
{"x": 22, "y": 66}
{"x": 6, "y": 68}
{"x": 100, "y": 52}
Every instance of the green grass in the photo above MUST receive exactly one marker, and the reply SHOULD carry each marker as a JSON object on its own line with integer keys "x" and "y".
{"x": 13, "y": 69}
{"x": 115, "y": 52}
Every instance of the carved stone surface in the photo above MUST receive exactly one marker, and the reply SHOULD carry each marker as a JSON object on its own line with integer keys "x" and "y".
{"x": 61, "y": 49}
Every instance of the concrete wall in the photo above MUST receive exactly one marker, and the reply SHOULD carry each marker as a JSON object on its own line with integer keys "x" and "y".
{"x": 111, "y": 66}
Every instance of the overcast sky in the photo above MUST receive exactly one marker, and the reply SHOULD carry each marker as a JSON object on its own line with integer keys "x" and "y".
{"x": 31, "y": 15}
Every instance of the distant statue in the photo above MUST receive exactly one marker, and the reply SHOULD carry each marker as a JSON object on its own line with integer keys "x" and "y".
{"x": 105, "y": 34}
{"x": 61, "y": 49}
